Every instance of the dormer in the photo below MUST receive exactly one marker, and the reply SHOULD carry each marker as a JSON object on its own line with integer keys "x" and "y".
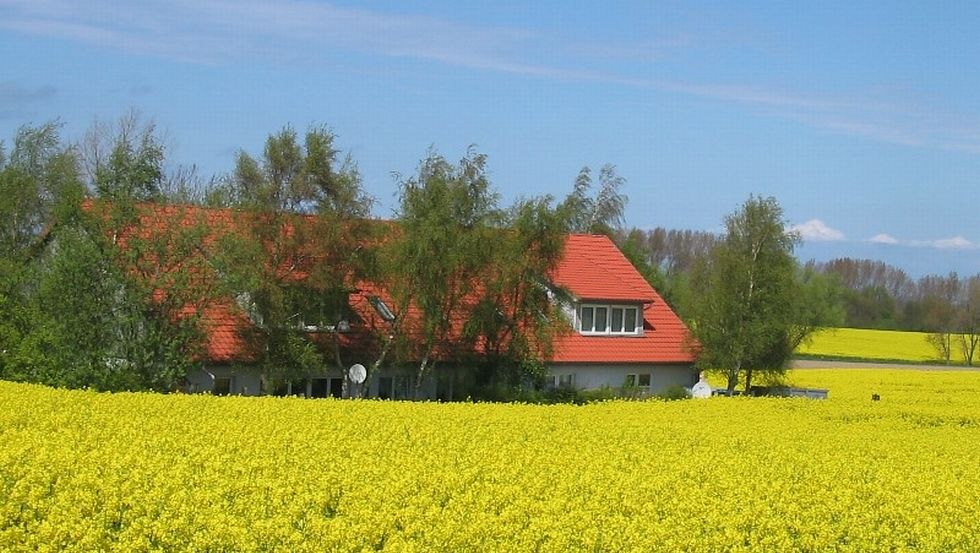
{"x": 596, "y": 318}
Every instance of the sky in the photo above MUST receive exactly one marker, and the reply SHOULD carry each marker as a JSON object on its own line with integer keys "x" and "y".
{"x": 861, "y": 118}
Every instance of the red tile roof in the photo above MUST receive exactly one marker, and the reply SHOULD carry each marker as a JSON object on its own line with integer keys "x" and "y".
{"x": 594, "y": 269}
{"x": 223, "y": 324}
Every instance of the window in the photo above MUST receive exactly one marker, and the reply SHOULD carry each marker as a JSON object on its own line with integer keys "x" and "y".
{"x": 385, "y": 388}
{"x": 588, "y": 316}
{"x": 565, "y": 380}
{"x": 319, "y": 387}
{"x": 382, "y": 308}
{"x": 641, "y": 381}
{"x": 608, "y": 319}
{"x": 222, "y": 386}
{"x": 600, "y": 319}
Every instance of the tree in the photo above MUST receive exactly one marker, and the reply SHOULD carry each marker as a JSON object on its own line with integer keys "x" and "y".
{"x": 448, "y": 215}
{"x": 818, "y": 304}
{"x": 602, "y": 214}
{"x": 90, "y": 299}
{"x": 515, "y": 317}
{"x": 124, "y": 161}
{"x": 297, "y": 245}
{"x": 30, "y": 182}
{"x": 969, "y": 320}
{"x": 744, "y": 310}
{"x": 939, "y": 302}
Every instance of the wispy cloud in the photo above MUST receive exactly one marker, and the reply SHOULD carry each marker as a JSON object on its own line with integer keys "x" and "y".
{"x": 15, "y": 98}
{"x": 301, "y": 31}
{"x": 816, "y": 230}
{"x": 883, "y": 239}
{"x": 954, "y": 243}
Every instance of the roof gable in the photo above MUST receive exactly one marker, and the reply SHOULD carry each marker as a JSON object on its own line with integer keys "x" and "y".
{"x": 593, "y": 268}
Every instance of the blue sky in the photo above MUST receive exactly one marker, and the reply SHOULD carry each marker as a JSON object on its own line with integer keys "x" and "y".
{"x": 862, "y": 118}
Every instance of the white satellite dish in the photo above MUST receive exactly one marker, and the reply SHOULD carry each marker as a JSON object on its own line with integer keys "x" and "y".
{"x": 357, "y": 373}
{"x": 702, "y": 389}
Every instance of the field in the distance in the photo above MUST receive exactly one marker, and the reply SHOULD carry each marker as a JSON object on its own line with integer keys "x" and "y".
{"x": 891, "y": 345}
{"x": 130, "y": 472}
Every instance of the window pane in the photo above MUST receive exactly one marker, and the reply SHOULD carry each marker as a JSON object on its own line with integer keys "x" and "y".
{"x": 600, "y": 319}
{"x": 587, "y": 319}
{"x": 222, "y": 386}
{"x": 630, "y": 320}
{"x": 645, "y": 380}
{"x": 617, "y": 319}
{"x": 631, "y": 380}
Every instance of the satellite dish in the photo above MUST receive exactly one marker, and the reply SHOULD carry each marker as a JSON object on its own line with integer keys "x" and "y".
{"x": 357, "y": 373}
{"x": 702, "y": 389}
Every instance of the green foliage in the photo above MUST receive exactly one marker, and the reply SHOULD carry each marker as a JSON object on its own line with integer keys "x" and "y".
{"x": 673, "y": 393}
{"x": 746, "y": 295}
{"x": 291, "y": 272}
{"x": 125, "y": 161}
{"x": 601, "y": 214}
{"x": 79, "y": 308}
{"x": 818, "y": 304}
{"x": 477, "y": 275}
{"x": 447, "y": 218}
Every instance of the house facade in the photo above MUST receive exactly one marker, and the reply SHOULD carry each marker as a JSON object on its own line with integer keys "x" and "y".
{"x": 624, "y": 335}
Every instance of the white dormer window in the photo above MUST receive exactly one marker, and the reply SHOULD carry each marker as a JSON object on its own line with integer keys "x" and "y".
{"x": 609, "y": 319}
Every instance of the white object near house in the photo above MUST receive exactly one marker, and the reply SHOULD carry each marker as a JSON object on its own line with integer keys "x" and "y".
{"x": 357, "y": 373}
{"x": 702, "y": 389}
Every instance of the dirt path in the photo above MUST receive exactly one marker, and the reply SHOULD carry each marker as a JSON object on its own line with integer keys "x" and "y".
{"x": 830, "y": 364}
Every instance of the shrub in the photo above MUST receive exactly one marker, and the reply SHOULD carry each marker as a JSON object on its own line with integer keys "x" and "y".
{"x": 673, "y": 393}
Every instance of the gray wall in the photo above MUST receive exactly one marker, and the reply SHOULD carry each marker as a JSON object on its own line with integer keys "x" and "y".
{"x": 242, "y": 382}
{"x": 591, "y": 376}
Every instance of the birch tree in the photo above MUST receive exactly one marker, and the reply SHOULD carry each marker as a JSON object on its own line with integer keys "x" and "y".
{"x": 744, "y": 311}
{"x": 448, "y": 213}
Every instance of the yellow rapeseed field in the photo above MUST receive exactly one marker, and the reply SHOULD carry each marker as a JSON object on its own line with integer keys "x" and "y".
{"x": 86, "y": 471}
{"x": 863, "y": 343}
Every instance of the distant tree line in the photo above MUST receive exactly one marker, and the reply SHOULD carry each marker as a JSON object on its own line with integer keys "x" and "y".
{"x": 867, "y": 293}
{"x": 877, "y": 295}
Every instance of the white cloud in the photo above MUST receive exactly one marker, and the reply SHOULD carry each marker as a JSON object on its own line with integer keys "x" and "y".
{"x": 883, "y": 239}
{"x": 816, "y": 230}
{"x": 954, "y": 243}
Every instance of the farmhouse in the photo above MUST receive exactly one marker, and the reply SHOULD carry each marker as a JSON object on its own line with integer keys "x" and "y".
{"x": 622, "y": 334}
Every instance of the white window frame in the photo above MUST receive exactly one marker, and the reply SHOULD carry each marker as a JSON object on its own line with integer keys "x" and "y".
{"x": 608, "y": 330}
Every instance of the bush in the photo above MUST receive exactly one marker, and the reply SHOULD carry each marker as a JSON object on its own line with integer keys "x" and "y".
{"x": 564, "y": 394}
{"x": 604, "y": 393}
{"x": 672, "y": 393}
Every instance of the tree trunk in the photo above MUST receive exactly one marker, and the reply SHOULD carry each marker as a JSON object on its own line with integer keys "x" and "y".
{"x": 733, "y": 379}
{"x": 748, "y": 381}
{"x": 421, "y": 374}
